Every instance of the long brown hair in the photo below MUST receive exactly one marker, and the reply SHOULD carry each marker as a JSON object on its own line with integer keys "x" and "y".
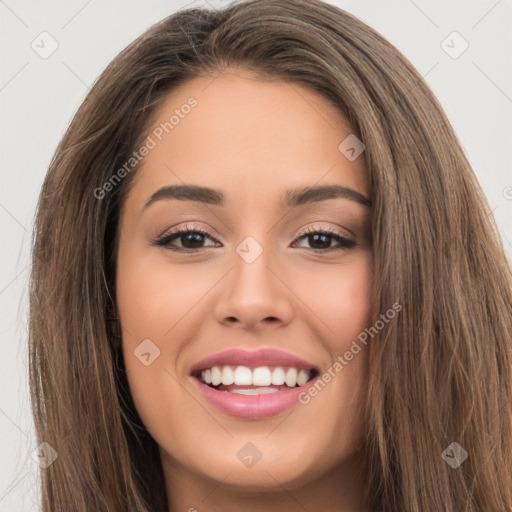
{"x": 440, "y": 373}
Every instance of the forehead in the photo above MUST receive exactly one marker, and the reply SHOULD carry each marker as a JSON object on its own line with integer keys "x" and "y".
{"x": 251, "y": 137}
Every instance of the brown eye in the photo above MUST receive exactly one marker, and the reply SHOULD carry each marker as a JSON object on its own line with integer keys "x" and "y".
{"x": 191, "y": 239}
{"x": 320, "y": 240}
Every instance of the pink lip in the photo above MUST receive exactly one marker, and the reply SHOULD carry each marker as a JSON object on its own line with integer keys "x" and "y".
{"x": 252, "y": 406}
{"x": 262, "y": 357}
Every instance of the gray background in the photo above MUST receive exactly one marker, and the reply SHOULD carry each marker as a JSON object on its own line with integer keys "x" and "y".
{"x": 39, "y": 96}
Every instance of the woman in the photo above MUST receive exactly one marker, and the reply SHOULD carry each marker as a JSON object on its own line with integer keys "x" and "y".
{"x": 197, "y": 342}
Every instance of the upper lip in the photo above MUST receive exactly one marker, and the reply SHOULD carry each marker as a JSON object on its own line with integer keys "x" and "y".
{"x": 262, "y": 357}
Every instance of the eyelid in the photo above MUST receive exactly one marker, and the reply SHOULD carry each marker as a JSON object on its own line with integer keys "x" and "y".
{"x": 307, "y": 230}
{"x": 328, "y": 229}
{"x": 188, "y": 227}
{"x": 344, "y": 243}
{"x": 183, "y": 229}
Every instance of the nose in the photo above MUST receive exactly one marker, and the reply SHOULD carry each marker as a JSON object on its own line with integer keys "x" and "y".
{"x": 255, "y": 295}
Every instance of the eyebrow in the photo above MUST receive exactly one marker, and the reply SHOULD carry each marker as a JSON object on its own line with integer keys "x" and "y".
{"x": 290, "y": 199}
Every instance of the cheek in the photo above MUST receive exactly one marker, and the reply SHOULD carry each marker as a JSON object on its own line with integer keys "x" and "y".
{"x": 153, "y": 303}
{"x": 165, "y": 303}
{"x": 153, "y": 298}
{"x": 352, "y": 295}
{"x": 157, "y": 302}
{"x": 339, "y": 297}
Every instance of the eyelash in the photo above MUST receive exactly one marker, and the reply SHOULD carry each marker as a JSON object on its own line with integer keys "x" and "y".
{"x": 165, "y": 240}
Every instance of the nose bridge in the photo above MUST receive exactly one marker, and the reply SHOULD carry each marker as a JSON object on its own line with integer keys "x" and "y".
{"x": 252, "y": 279}
{"x": 253, "y": 292}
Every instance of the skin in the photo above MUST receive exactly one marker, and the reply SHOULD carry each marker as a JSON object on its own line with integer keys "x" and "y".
{"x": 252, "y": 139}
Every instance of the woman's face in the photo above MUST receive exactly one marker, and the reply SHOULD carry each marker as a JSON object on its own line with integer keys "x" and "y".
{"x": 262, "y": 286}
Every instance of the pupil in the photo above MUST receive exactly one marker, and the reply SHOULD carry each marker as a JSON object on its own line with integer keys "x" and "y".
{"x": 314, "y": 238}
{"x": 195, "y": 238}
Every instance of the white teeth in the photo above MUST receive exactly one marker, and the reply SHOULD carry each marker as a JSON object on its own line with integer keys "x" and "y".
{"x": 278, "y": 376}
{"x": 261, "y": 376}
{"x": 243, "y": 376}
{"x": 302, "y": 377}
{"x": 216, "y": 376}
{"x": 291, "y": 377}
{"x": 256, "y": 391}
{"x": 228, "y": 377}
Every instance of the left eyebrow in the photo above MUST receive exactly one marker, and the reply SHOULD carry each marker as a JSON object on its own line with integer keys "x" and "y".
{"x": 298, "y": 197}
{"x": 290, "y": 199}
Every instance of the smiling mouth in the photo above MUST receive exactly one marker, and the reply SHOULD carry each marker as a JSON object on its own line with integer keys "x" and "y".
{"x": 259, "y": 380}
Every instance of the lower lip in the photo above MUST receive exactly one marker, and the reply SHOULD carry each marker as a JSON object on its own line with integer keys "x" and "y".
{"x": 251, "y": 406}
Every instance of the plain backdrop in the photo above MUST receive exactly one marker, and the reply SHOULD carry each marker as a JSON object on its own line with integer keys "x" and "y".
{"x": 38, "y": 97}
